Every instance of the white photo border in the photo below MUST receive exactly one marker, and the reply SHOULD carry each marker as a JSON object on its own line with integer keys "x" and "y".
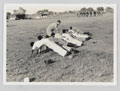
{"x": 114, "y": 83}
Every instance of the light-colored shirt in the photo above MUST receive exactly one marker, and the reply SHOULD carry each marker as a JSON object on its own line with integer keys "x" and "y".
{"x": 58, "y": 35}
{"x": 78, "y": 34}
{"x": 67, "y": 37}
{"x": 51, "y": 28}
{"x": 71, "y": 31}
{"x": 70, "y": 39}
{"x": 76, "y": 30}
{"x": 38, "y": 44}
{"x": 58, "y": 39}
{"x": 52, "y": 45}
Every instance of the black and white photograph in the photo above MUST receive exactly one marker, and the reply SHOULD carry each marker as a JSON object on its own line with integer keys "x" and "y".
{"x": 60, "y": 44}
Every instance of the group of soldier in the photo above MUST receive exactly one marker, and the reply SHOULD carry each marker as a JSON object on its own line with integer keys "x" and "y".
{"x": 62, "y": 43}
{"x": 90, "y": 12}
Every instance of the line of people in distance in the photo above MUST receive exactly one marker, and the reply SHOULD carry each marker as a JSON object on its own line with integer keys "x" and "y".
{"x": 62, "y": 43}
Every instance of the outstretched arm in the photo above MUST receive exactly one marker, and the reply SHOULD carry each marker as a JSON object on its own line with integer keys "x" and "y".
{"x": 31, "y": 54}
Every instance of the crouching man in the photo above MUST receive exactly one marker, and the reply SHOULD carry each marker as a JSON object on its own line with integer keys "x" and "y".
{"x": 53, "y": 28}
{"x": 50, "y": 44}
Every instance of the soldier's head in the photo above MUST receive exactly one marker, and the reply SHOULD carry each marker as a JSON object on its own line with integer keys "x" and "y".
{"x": 58, "y": 22}
{"x": 46, "y": 36}
{"x": 65, "y": 30}
{"x": 40, "y": 37}
{"x": 53, "y": 34}
{"x": 71, "y": 28}
{"x": 31, "y": 44}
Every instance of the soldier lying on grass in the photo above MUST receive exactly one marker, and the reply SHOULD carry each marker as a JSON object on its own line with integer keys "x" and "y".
{"x": 66, "y": 39}
{"x": 79, "y": 34}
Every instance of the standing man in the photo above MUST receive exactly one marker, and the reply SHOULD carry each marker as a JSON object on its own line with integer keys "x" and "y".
{"x": 53, "y": 28}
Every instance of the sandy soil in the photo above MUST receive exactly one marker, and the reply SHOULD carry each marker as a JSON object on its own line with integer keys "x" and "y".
{"x": 93, "y": 63}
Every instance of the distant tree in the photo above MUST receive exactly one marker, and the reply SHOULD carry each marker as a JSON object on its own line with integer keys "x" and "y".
{"x": 83, "y": 12}
{"x": 94, "y": 13}
{"x": 39, "y": 12}
{"x": 83, "y": 9}
{"x": 109, "y": 10}
{"x": 55, "y": 12}
{"x": 100, "y": 10}
{"x": 44, "y": 12}
{"x": 72, "y": 12}
{"x": 51, "y": 12}
{"x": 65, "y": 12}
{"x": 21, "y": 10}
{"x": 8, "y": 15}
{"x": 90, "y": 9}
{"x": 15, "y": 12}
{"x": 20, "y": 13}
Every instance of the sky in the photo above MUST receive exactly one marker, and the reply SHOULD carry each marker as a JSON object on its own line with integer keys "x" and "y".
{"x": 33, "y": 8}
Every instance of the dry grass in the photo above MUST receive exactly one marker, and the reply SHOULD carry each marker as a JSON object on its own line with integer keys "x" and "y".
{"x": 93, "y": 63}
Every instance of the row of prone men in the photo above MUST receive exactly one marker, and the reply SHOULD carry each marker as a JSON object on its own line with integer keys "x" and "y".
{"x": 62, "y": 43}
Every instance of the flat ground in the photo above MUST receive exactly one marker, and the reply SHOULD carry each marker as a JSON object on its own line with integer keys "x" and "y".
{"x": 93, "y": 63}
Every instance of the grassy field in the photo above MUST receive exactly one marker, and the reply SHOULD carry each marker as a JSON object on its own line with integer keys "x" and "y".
{"x": 93, "y": 63}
